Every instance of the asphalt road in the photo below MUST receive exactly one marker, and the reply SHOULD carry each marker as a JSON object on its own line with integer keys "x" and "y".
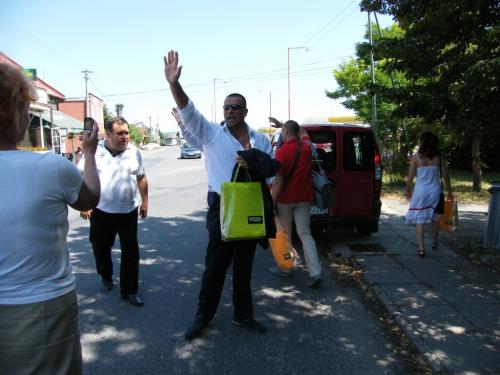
{"x": 325, "y": 331}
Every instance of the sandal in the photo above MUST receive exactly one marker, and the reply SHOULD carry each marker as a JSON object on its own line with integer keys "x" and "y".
{"x": 434, "y": 246}
{"x": 421, "y": 253}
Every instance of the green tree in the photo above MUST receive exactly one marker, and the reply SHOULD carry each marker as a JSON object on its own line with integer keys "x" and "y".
{"x": 396, "y": 131}
{"x": 451, "y": 55}
{"x": 107, "y": 114}
{"x": 135, "y": 135}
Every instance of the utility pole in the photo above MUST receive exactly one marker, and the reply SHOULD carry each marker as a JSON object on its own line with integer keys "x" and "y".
{"x": 374, "y": 95}
{"x": 86, "y": 77}
{"x": 215, "y": 107}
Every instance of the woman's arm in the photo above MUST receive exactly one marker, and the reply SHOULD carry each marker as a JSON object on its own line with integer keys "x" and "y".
{"x": 411, "y": 175}
{"x": 90, "y": 191}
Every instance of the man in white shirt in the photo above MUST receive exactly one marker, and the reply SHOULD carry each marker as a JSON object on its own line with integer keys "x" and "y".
{"x": 220, "y": 145}
{"x": 122, "y": 176}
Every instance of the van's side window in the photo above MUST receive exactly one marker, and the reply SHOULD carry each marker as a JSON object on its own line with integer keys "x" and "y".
{"x": 358, "y": 151}
{"x": 325, "y": 143}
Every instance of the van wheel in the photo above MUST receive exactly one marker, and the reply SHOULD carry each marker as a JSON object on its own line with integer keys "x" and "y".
{"x": 367, "y": 229}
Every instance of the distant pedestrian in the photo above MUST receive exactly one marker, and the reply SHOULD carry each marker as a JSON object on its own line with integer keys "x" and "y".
{"x": 122, "y": 177}
{"x": 39, "y": 329}
{"x": 221, "y": 144}
{"x": 292, "y": 193}
{"x": 427, "y": 200}
{"x": 78, "y": 154}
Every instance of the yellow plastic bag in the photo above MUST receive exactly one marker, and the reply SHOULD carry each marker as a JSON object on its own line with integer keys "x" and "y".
{"x": 449, "y": 219}
{"x": 242, "y": 211}
{"x": 282, "y": 251}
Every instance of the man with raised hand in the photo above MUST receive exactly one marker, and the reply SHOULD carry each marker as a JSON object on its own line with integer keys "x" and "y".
{"x": 220, "y": 145}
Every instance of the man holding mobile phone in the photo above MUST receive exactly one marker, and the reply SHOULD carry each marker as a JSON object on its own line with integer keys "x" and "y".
{"x": 122, "y": 177}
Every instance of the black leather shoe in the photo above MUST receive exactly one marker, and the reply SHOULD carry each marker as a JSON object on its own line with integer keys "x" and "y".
{"x": 195, "y": 329}
{"x": 134, "y": 299}
{"x": 108, "y": 283}
{"x": 250, "y": 324}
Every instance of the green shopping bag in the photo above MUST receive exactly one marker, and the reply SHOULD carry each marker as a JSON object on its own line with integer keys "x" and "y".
{"x": 242, "y": 210}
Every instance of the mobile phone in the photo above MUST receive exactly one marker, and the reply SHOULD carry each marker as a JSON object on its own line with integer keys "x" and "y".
{"x": 88, "y": 124}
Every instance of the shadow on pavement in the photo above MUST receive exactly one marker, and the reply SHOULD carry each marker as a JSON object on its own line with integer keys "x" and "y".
{"x": 305, "y": 326}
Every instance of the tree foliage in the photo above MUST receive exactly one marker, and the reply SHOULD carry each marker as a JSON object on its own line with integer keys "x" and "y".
{"x": 135, "y": 136}
{"x": 396, "y": 130}
{"x": 107, "y": 114}
{"x": 450, "y": 54}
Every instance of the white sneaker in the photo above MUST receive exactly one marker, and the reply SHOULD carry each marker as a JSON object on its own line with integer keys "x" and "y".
{"x": 297, "y": 262}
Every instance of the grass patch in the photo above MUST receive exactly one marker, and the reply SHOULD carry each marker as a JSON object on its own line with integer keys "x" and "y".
{"x": 461, "y": 183}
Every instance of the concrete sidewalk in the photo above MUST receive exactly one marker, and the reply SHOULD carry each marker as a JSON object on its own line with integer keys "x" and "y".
{"x": 448, "y": 306}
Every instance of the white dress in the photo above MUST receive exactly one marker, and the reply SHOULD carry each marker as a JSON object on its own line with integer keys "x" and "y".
{"x": 425, "y": 195}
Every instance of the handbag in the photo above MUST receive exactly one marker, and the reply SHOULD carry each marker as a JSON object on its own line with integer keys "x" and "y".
{"x": 449, "y": 219}
{"x": 322, "y": 190}
{"x": 242, "y": 210}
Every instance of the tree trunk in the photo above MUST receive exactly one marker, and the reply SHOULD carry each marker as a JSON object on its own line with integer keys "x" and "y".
{"x": 477, "y": 174}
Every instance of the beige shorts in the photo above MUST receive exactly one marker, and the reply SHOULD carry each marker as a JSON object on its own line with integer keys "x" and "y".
{"x": 41, "y": 338}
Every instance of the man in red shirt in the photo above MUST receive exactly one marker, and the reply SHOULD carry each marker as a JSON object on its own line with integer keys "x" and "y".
{"x": 292, "y": 194}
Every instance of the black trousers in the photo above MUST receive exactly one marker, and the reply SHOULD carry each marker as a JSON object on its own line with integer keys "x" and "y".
{"x": 218, "y": 258}
{"x": 103, "y": 229}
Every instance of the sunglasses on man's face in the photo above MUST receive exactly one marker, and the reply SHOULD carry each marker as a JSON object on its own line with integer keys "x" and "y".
{"x": 234, "y": 107}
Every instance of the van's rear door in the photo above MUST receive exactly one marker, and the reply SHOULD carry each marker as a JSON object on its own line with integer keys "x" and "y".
{"x": 355, "y": 182}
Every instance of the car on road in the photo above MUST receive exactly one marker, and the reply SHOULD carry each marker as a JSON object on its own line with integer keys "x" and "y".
{"x": 190, "y": 152}
{"x": 350, "y": 158}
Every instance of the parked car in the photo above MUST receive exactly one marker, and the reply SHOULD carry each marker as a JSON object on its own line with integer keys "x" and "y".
{"x": 350, "y": 157}
{"x": 190, "y": 152}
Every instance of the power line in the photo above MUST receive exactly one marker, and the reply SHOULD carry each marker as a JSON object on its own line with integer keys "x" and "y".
{"x": 309, "y": 43}
{"x": 231, "y": 82}
{"x": 93, "y": 84}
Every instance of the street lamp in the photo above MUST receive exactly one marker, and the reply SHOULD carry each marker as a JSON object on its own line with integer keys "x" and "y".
{"x": 86, "y": 77}
{"x": 215, "y": 107}
{"x": 289, "y": 48}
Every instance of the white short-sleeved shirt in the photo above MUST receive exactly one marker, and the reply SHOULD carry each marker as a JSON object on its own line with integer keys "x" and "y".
{"x": 35, "y": 190}
{"x": 118, "y": 176}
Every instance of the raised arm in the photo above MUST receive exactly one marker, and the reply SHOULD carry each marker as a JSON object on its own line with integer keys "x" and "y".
{"x": 172, "y": 74}
{"x": 275, "y": 122}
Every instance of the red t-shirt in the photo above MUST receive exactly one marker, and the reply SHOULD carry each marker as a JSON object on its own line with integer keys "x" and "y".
{"x": 299, "y": 186}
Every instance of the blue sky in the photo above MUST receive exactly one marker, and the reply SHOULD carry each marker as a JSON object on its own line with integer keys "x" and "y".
{"x": 243, "y": 45}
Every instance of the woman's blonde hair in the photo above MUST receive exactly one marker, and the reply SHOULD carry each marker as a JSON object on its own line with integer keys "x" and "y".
{"x": 15, "y": 92}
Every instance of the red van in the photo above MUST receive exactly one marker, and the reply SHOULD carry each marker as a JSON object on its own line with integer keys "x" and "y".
{"x": 349, "y": 155}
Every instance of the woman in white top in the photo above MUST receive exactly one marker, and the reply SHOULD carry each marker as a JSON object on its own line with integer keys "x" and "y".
{"x": 428, "y": 167}
{"x": 39, "y": 330}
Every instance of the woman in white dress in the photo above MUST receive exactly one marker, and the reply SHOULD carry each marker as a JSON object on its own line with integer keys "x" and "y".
{"x": 425, "y": 204}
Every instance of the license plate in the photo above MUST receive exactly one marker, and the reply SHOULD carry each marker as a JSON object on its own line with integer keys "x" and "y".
{"x": 318, "y": 211}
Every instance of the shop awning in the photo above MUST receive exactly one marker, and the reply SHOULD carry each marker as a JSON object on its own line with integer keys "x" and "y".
{"x": 62, "y": 120}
